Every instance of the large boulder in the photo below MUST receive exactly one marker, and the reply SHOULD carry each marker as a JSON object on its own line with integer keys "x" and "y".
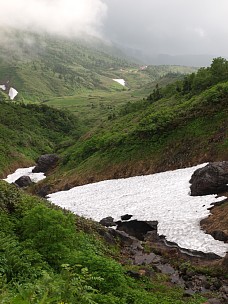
{"x": 211, "y": 179}
{"x": 46, "y": 162}
{"x": 137, "y": 229}
{"x": 23, "y": 181}
{"x": 108, "y": 222}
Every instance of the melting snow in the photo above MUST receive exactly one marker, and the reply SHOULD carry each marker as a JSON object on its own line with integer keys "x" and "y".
{"x": 3, "y": 87}
{"x": 163, "y": 197}
{"x": 121, "y": 81}
{"x": 12, "y": 93}
{"x": 35, "y": 177}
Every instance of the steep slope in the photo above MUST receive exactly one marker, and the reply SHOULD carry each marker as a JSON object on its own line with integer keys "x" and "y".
{"x": 180, "y": 125}
{"x": 28, "y": 131}
{"x": 51, "y": 256}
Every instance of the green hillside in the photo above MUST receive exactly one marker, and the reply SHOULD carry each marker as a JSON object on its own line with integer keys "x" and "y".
{"x": 26, "y": 131}
{"x": 51, "y": 256}
{"x": 161, "y": 121}
{"x": 182, "y": 124}
{"x": 42, "y": 66}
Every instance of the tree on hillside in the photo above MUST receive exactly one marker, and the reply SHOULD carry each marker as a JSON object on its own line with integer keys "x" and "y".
{"x": 219, "y": 69}
{"x": 156, "y": 95}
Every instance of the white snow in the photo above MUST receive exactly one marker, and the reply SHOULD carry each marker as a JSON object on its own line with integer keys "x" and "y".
{"x": 121, "y": 81}
{"x": 163, "y": 197}
{"x": 3, "y": 87}
{"x": 12, "y": 93}
{"x": 35, "y": 177}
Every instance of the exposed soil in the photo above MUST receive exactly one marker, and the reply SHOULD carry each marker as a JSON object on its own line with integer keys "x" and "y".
{"x": 218, "y": 220}
{"x": 58, "y": 182}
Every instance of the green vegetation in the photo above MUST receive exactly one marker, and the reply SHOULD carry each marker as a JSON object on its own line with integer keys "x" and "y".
{"x": 26, "y": 131}
{"x": 170, "y": 129}
{"x": 41, "y": 67}
{"x": 46, "y": 257}
{"x": 159, "y": 121}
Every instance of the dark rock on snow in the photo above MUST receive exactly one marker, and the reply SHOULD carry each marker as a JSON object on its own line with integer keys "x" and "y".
{"x": 211, "y": 179}
{"x": 107, "y": 222}
{"x": 136, "y": 228}
{"x": 23, "y": 181}
{"x": 126, "y": 217}
{"x": 46, "y": 162}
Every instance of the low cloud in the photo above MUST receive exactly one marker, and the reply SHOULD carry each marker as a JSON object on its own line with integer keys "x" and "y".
{"x": 63, "y": 17}
{"x": 169, "y": 26}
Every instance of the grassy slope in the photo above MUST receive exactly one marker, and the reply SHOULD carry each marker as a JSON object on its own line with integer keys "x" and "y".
{"x": 148, "y": 137}
{"x": 143, "y": 137}
{"x": 28, "y": 131}
{"x": 40, "y": 67}
{"x": 51, "y": 256}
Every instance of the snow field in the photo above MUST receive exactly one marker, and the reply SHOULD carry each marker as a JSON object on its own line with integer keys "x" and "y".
{"x": 163, "y": 197}
{"x": 35, "y": 177}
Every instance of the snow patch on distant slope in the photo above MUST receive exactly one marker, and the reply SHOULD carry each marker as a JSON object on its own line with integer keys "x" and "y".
{"x": 35, "y": 177}
{"x": 12, "y": 93}
{"x": 121, "y": 81}
{"x": 163, "y": 197}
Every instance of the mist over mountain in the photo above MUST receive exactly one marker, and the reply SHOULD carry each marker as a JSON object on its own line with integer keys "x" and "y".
{"x": 189, "y": 32}
{"x": 169, "y": 32}
{"x": 197, "y": 60}
{"x": 71, "y": 18}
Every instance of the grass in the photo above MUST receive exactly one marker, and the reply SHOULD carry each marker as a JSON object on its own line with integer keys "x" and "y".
{"x": 26, "y": 131}
{"x": 56, "y": 67}
{"x": 48, "y": 256}
{"x": 93, "y": 107}
{"x": 149, "y": 137}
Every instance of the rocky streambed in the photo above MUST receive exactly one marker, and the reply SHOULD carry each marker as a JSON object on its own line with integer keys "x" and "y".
{"x": 149, "y": 254}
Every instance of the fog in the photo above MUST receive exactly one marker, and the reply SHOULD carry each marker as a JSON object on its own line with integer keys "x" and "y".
{"x": 63, "y": 17}
{"x": 143, "y": 28}
{"x": 169, "y": 26}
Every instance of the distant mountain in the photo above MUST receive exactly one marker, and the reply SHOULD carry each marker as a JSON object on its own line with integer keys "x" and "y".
{"x": 43, "y": 66}
{"x": 201, "y": 60}
{"x": 39, "y": 66}
{"x": 186, "y": 60}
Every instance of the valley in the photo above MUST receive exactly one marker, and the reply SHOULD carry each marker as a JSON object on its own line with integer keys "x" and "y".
{"x": 125, "y": 137}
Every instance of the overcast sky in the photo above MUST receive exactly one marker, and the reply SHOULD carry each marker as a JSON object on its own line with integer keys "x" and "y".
{"x": 170, "y": 26}
{"x": 157, "y": 26}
